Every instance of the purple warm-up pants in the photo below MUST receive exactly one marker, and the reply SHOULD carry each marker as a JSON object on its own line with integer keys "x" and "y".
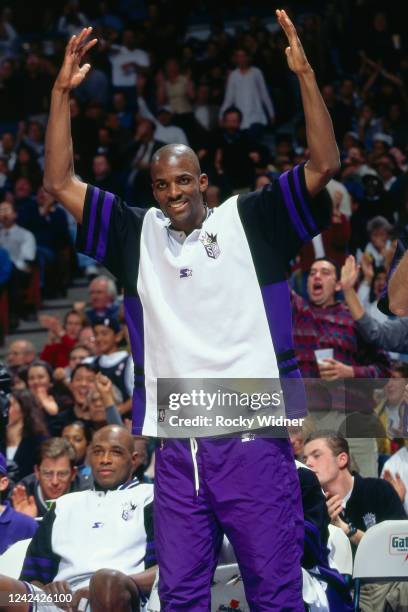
{"x": 247, "y": 489}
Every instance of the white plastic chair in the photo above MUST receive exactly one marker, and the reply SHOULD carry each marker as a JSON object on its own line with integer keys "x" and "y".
{"x": 340, "y": 552}
{"x": 382, "y": 555}
{"x": 227, "y": 586}
{"x": 11, "y": 561}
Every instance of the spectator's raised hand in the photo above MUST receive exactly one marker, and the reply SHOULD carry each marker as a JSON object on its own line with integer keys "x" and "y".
{"x": 53, "y": 324}
{"x": 296, "y": 57}
{"x": 397, "y": 483}
{"x": 105, "y": 388}
{"x": 79, "y": 306}
{"x": 349, "y": 273}
{"x": 72, "y": 73}
{"x": 334, "y": 508}
{"x": 22, "y": 502}
{"x": 47, "y": 401}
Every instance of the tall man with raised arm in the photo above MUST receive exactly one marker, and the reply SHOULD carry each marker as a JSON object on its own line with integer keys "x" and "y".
{"x": 181, "y": 267}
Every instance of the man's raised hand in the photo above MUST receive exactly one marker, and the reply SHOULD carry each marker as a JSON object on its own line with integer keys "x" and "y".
{"x": 295, "y": 54}
{"x": 22, "y": 502}
{"x": 349, "y": 273}
{"x": 72, "y": 73}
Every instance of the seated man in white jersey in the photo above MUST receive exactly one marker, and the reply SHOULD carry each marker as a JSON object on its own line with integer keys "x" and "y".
{"x": 206, "y": 296}
{"x": 95, "y": 546}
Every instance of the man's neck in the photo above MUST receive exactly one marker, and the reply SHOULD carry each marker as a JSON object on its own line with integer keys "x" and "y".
{"x": 393, "y": 406}
{"x": 103, "y": 309}
{"x": 98, "y": 487}
{"x": 342, "y": 485}
{"x": 328, "y": 304}
{"x": 112, "y": 350}
{"x": 197, "y": 225}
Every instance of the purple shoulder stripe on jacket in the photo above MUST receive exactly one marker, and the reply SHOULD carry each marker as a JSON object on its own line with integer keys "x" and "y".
{"x": 92, "y": 218}
{"x": 103, "y": 232}
{"x": 291, "y": 206}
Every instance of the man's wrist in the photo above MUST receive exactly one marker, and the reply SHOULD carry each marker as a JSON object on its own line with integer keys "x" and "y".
{"x": 60, "y": 91}
{"x": 351, "y": 371}
{"x": 307, "y": 74}
{"x": 349, "y": 293}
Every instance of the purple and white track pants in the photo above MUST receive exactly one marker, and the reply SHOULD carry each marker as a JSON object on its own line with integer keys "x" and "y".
{"x": 247, "y": 489}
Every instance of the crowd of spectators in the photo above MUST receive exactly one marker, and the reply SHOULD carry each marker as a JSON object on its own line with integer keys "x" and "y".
{"x": 215, "y": 78}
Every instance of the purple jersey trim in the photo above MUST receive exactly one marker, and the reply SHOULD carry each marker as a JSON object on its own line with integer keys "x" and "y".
{"x": 106, "y": 213}
{"x": 92, "y": 217}
{"x": 291, "y": 207}
{"x": 276, "y": 299}
{"x": 134, "y": 320}
{"x": 305, "y": 207}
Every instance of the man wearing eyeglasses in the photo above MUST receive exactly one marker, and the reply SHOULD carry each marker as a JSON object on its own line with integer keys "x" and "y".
{"x": 54, "y": 475}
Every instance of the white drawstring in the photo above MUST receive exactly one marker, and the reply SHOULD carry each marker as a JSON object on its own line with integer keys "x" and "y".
{"x": 194, "y": 449}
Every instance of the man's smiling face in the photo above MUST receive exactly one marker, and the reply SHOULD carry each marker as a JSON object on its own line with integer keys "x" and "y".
{"x": 178, "y": 187}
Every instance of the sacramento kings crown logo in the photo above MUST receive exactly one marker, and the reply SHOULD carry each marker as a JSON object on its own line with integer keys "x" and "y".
{"x": 211, "y": 245}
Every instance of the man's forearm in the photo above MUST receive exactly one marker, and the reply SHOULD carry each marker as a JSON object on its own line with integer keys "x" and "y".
{"x": 357, "y": 537}
{"x": 353, "y": 302}
{"x": 144, "y": 581}
{"x": 398, "y": 288}
{"x": 390, "y": 336}
{"x": 59, "y": 165}
{"x": 324, "y": 154}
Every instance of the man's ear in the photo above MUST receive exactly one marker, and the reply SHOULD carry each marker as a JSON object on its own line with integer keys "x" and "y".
{"x": 342, "y": 460}
{"x": 4, "y": 483}
{"x": 203, "y": 181}
{"x": 74, "y": 472}
{"x": 37, "y": 472}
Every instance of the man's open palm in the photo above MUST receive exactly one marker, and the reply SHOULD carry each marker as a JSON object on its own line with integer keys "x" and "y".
{"x": 22, "y": 502}
{"x": 72, "y": 73}
{"x": 295, "y": 54}
{"x": 349, "y": 273}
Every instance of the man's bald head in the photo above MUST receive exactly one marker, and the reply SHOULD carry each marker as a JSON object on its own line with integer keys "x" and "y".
{"x": 115, "y": 434}
{"x": 112, "y": 457}
{"x": 179, "y": 186}
{"x": 20, "y": 352}
{"x": 173, "y": 154}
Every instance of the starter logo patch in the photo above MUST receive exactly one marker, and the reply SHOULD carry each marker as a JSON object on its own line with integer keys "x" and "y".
{"x": 186, "y": 272}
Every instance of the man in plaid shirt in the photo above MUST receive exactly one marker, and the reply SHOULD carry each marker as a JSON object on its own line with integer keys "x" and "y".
{"x": 322, "y": 322}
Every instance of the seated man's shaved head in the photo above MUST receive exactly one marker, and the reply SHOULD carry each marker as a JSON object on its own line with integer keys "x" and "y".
{"x": 114, "y": 434}
{"x": 112, "y": 457}
{"x": 172, "y": 153}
